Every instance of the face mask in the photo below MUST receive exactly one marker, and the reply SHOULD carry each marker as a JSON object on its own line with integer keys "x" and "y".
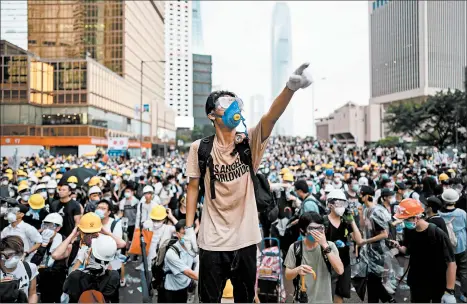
{"x": 11, "y": 217}
{"x": 108, "y": 197}
{"x": 339, "y": 211}
{"x": 410, "y": 225}
{"x": 12, "y": 262}
{"x": 355, "y": 188}
{"x": 44, "y": 194}
{"x": 4, "y": 182}
{"x": 108, "y": 177}
{"x": 87, "y": 239}
{"x": 337, "y": 180}
{"x": 51, "y": 191}
{"x": 25, "y": 197}
{"x": 310, "y": 238}
{"x": 182, "y": 241}
{"x": 157, "y": 225}
{"x": 125, "y": 177}
{"x": 72, "y": 185}
{"x": 232, "y": 116}
{"x": 127, "y": 194}
{"x": 100, "y": 213}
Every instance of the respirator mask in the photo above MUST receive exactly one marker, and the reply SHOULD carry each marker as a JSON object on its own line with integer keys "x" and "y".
{"x": 233, "y": 108}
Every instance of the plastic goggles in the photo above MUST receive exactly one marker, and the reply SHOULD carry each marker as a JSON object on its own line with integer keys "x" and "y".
{"x": 224, "y": 102}
{"x": 338, "y": 204}
{"x": 310, "y": 228}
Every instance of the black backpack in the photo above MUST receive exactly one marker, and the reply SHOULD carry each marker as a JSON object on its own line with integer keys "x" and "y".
{"x": 265, "y": 201}
{"x": 157, "y": 269}
{"x": 10, "y": 291}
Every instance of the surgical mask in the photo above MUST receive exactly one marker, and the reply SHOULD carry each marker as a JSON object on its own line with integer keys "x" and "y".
{"x": 51, "y": 191}
{"x": 72, "y": 185}
{"x": 310, "y": 238}
{"x": 3, "y": 210}
{"x": 182, "y": 241}
{"x": 4, "y": 182}
{"x": 232, "y": 115}
{"x": 127, "y": 194}
{"x": 100, "y": 213}
{"x": 25, "y": 197}
{"x": 43, "y": 194}
{"x": 410, "y": 225}
{"x": 339, "y": 211}
{"x": 157, "y": 225}
{"x": 108, "y": 197}
{"x": 12, "y": 262}
{"x": 11, "y": 217}
{"x": 125, "y": 177}
{"x": 355, "y": 188}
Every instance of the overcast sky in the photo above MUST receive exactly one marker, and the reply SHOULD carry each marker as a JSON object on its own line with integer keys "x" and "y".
{"x": 331, "y": 35}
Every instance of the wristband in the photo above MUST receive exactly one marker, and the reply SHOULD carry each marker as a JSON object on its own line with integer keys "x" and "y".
{"x": 327, "y": 250}
{"x": 192, "y": 226}
{"x": 449, "y": 291}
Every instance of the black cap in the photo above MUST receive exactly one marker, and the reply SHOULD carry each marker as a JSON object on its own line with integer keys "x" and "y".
{"x": 386, "y": 192}
{"x": 433, "y": 201}
{"x": 367, "y": 190}
{"x": 401, "y": 186}
{"x": 301, "y": 184}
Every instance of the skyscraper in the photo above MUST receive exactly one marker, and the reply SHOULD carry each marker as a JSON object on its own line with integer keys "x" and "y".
{"x": 281, "y": 49}
{"x": 198, "y": 42}
{"x": 416, "y": 48}
{"x": 179, "y": 61}
{"x": 14, "y": 22}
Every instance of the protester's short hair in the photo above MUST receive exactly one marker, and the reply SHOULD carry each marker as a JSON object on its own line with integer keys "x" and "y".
{"x": 434, "y": 203}
{"x": 66, "y": 185}
{"x": 180, "y": 224}
{"x": 12, "y": 242}
{"x": 438, "y": 190}
{"x": 307, "y": 218}
{"x": 302, "y": 185}
{"x": 130, "y": 186}
{"x": 212, "y": 98}
{"x": 109, "y": 204}
{"x": 384, "y": 182}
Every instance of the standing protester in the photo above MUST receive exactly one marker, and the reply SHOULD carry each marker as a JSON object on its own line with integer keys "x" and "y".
{"x": 68, "y": 208}
{"x": 229, "y": 230}
{"x": 431, "y": 276}
{"x": 433, "y": 206}
{"x": 128, "y": 209}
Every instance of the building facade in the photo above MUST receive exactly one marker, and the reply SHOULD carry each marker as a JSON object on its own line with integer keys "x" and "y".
{"x": 14, "y": 22}
{"x": 179, "y": 61}
{"x": 202, "y": 87}
{"x": 198, "y": 39}
{"x": 416, "y": 49}
{"x": 281, "y": 64}
{"x": 71, "y": 105}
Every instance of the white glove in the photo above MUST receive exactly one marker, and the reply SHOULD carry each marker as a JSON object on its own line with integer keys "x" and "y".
{"x": 147, "y": 224}
{"x": 47, "y": 234}
{"x": 299, "y": 79}
{"x": 190, "y": 239}
{"x": 448, "y": 298}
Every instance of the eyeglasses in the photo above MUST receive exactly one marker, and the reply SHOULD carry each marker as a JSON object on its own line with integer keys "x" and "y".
{"x": 224, "y": 102}
{"x": 310, "y": 228}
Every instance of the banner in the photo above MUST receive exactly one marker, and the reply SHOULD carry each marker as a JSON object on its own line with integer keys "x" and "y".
{"x": 118, "y": 143}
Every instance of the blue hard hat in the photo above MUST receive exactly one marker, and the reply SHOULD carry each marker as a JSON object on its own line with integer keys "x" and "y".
{"x": 329, "y": 172}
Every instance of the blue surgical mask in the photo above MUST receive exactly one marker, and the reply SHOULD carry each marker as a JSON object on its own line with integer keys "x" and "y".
{"x": 182, "y": 241}
{"x": 410, "y": 225}
{"x": 310, "y": 238}
{"x": 100, "y": 213}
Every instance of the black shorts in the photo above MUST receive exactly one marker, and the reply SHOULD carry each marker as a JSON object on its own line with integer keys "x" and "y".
{"x": 341, "y": 284}
{"x": 130, "y": 231}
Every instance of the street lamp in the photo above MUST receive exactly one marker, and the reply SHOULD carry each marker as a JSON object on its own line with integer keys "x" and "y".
{"x": 313, "y": 87}
{"x": 141, "y": 101}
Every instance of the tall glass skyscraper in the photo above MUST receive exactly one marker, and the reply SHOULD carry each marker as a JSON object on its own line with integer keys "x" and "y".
{"x": 281, "y": 64}
{"x": 197, "y": 38}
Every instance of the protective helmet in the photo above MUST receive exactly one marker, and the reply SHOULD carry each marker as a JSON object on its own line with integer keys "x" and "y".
{"x": 40, "y": 187}
{"x": 21, "y": 173}
{"x": 23, "y": 187}
{"x": 127, "y": 172}
{"x": 10, "y": 176}
{"x": 94, "y": 181}
{"x": 36, "y": 201}
{"x": 288, "y": 177}
{"x": 284, "y": 171}
{"x": 363, "y": 181}
{"x": 443, "y": 177}
{"x": 148, "y": 189}
{"x": 48, "y": 170}
{"x": 23, "y": 182}
{"x": 90, "y": 223}
{"x": 328, "y": 188}
{"x": 337, "y": 194}
{"x": 408, "y": 208}
{"x": 52, "y": 184}
{"x": 9, "y": 171}
{"x": 54, "y": 218}
{"x": 72, "y": 179}
{"x": 158, "y": 213}
{"x": 94, "y": 190}
{"x": 38, "y": 174}
{"x": 450, "y": 196}
{"x": 45, "y": 179}
{"x": 329, "y": 172}
{"x": 59, "y": 176}
{"x": 104, "y": 248}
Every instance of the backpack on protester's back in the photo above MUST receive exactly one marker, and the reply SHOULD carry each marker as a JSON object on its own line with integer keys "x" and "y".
{"x": 10, "y": 291}
{"x": 157, "y": 269}
{"x": 451, "y": 233}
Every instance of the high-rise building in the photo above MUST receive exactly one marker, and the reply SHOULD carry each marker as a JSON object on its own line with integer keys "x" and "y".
{"x": 202, "y": 86}
{"x": 198, "y": 41}
{"x": 179, "y": 61}
{"x": 14, "y": 22}
{"x": 256, "y": 110}
{"x": 416, "y": 49}
{"x": 281, "y": 48}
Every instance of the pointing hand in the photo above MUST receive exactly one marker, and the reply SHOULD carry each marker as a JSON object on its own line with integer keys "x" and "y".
{"x": 300, "y": 79}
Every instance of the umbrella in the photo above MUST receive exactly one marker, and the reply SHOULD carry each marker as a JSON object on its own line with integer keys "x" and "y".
{"x": 302, "y": 296}
{"x": 81, "y": 173}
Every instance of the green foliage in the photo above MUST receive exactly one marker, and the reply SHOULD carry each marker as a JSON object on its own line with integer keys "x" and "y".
{"x": 390, "y": 141}
{"x": 202, "y": 131}
{"x": 433, "y": 122}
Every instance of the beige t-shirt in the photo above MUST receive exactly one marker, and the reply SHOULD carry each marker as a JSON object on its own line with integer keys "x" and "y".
{"x": 230, "y": 222}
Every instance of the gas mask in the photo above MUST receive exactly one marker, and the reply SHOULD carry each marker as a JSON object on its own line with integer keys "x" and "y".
{"x": 233, "y": 111}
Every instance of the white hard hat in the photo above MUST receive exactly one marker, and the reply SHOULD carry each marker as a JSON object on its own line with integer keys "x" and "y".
{"x": 52, "y": 184}
{"x": 34, "y": 179}
{"x": 148, "y": 189}
{"x": 94, "y": 190}
{"x": 54, "y": 218}
{"x": 40, "y": 187}
{"x": 450, "y": 196}
{"x": 363, "y": 181}
{"x": 337, "y": 194}
{"x": 328, "y": 188}
{"x": 104, "y": 248}
{"x": 45, "y": 179}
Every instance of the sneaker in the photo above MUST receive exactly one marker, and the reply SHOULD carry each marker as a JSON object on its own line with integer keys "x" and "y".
{"x": 123, "y": 282}
{"x": 140, "y": 267}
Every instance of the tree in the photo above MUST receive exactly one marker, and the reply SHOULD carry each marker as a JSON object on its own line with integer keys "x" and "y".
{"x": 435, "y": 122}
{"x": 389, "y": 141}
{"x": 197, "y": 133}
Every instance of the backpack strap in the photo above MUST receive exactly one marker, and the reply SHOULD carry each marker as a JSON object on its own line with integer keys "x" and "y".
{"x": 298, "y": 252}
{"x": 28, "y": 270}
{"x": 114, "y": 223}
{"x": 205, "y": 160}
{"x": 244, "y": 151}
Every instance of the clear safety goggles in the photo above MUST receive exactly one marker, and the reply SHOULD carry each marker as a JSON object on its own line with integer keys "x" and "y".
{"x": 311, "y": 228}
{"x": 339, "y": 204}
{"x": 224, "y": 102}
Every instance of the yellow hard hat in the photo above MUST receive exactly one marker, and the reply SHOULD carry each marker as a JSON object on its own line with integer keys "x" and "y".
{"x": 127, "y": 172}
{"x": 317, "y": 167}
{"x": 90, "y": 223}
{"x": 443, "y": 177}
{"x": 394, "y": 161}
{"x": 30, "y": 164}
{"x": 346, "y": 163}
{"x": 119, "y": 173}
{"x": 23, "y": 182}
{"x": 366, "y": 168}
{"x": 451, "y": 171}
{"x": 72, "y": 179}
{"x": 284, "y": 171}
{"x": 58, "y": 176}
{"x": 74, "y": 166}
{"x": 9, "y": 171}
{"x": 54, "y": 167}
{"x": 38, "y": 174}
{"x": 288, "y": 177}
{"x": 10, "y": 176}
{"x": 94, "y": 181}
{"x": 48, "y": 170}
{"x": 21, "y": 173}
{"x": 88, "y": 166}
{"x": 158, "y": 213}
{"x": 228, "y": 290}
{"x": 36, "y": 201}
{"x": 23, "y": 187}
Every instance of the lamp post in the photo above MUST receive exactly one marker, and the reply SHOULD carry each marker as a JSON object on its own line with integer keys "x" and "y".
{"x": 313, "y": 88}
{"x": 465, "y": 96}
{"x": 141, "y": 100}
